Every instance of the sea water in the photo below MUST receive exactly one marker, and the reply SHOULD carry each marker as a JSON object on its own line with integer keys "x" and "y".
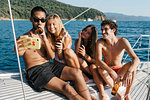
{"x": 8, "y": 58}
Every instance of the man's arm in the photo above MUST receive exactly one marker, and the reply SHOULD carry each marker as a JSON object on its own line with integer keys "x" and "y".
{"x": 48, "y": 47}
{"x": 50, "y": 52}
{"x": 101, "y": 63}
{"x": 135, "y": 60}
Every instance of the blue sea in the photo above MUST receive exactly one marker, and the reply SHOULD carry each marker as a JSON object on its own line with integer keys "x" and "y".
{"x": 8, "y": 58}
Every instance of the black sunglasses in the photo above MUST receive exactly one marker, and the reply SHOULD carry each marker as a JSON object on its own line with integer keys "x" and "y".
{"x": 37, "y": 19}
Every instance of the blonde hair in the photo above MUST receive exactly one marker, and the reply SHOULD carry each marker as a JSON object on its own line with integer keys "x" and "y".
{"x": 60, "y": 27}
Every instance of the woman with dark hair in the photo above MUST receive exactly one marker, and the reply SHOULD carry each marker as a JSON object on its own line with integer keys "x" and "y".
{"x": 85, "y": 48}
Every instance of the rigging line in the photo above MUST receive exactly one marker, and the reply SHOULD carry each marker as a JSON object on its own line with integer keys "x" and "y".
{"x": 148, "y": 54}
{"x": 16, "y": 48}
{"x": 81, "y": 13}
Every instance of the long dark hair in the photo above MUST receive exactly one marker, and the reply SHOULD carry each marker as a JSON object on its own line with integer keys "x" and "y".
{"x": 91, "y": 46}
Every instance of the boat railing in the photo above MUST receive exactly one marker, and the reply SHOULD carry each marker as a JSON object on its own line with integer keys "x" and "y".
{"x": 136, "y": 49}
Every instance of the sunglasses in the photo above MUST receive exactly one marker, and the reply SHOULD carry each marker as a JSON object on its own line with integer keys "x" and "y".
{"x": 37, "y": 19}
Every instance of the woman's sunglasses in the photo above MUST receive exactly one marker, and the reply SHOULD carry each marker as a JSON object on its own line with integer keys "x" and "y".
{"x": 37, "y": 19}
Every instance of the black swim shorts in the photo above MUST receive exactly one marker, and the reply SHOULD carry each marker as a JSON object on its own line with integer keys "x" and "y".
{"x": 38, "y": 76}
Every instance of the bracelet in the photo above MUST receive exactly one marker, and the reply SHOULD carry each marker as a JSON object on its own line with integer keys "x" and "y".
{"x": 128, "y": 71}
{"x": 85, "y": 56}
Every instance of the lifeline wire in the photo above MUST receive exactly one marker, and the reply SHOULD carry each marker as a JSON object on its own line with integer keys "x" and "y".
{"x": 16, "y": 48}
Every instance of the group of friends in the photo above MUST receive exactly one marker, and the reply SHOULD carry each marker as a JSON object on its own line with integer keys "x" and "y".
{"x": 79, "y": 66}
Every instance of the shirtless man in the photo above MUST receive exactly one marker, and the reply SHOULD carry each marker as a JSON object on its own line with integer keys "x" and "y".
{"x": 112, "y": 48}
{"x": 41, "y": 73}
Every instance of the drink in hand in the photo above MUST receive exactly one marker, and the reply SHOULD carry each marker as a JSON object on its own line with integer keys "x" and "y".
{"x": 39, "y": 30}
{"x": 61, "y": 35}
{"x": 115, "y": 89}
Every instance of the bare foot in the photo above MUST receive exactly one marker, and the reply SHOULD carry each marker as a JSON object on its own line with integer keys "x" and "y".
{"x": 103, "y": 96}
{"x": 93, "y": 98}
{"x": 120, "y": 95}
{"x": 128, "y": 97}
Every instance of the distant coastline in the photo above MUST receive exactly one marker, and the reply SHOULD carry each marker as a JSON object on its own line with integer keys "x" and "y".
{"x": 123, "y": 17}
{"x": 6, "y": 19}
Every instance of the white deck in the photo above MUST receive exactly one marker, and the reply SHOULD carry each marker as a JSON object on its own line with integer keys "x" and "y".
{"x": 10, "y": 87}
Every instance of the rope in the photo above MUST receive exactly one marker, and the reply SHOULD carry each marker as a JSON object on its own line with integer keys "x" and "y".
{"x": 81, "y": 13}
{"x": 16, "y": 48}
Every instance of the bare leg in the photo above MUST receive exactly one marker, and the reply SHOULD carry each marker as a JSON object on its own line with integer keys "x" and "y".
{"x": 58, "y": 85}
{"x": 84, "y": 66}
{"x": 107, "y": 78}
{"x": 122, "y": 72}
{"x": 127, "y": 93}
{"x": 71, "y": 58}
{"x": 76, "y": 76}
{"x": 104, "y": 74}
{"x": 99, "y": 82}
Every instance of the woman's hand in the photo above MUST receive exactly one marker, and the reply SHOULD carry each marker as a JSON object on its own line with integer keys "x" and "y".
{"x": 59, "y": 45}
{"x": 82, "y": 51}
{"x": 80, "y": 34}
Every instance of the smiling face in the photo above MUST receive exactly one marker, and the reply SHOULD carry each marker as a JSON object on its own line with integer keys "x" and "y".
{"x": 52, "y": 26}
{"x": 38, "y": 20}
{"x": 107, "y": 32}
{"x": 86, "y": 33}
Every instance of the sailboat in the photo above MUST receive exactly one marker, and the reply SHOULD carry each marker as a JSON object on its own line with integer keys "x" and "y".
{"x": 11, "y": 88}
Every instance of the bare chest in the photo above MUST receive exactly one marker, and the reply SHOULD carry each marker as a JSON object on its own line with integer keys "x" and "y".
{"x": 112, "y": 54}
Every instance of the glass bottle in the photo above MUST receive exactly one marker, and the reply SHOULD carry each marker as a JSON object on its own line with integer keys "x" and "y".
{"x": 39, "y": 30}
{"x": 61, "y": 35}
{"x": 115, "y": 89}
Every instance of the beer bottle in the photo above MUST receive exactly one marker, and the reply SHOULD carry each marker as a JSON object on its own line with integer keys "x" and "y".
{"x": 39, "y": 30}
{"x": 61, "y": 35}
{"x": 115, "y": 89}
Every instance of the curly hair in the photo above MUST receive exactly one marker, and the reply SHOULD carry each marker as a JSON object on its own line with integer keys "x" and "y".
{"x": 111, "y": 24}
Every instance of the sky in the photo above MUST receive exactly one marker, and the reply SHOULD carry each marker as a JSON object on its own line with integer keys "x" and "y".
{"x": 127, "y": 7}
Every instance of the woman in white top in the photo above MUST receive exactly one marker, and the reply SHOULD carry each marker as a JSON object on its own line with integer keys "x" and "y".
{"x": 61, "y": 47}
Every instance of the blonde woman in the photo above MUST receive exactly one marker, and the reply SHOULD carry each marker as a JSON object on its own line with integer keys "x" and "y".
{"x": 61, "y": 42}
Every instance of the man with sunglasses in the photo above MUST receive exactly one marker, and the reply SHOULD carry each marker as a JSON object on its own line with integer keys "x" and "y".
{"x": 40, "y": 73}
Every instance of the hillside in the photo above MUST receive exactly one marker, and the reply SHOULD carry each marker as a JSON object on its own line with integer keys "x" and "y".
{"x": 122, "y": 17}
{"x": 21, "y": 9}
